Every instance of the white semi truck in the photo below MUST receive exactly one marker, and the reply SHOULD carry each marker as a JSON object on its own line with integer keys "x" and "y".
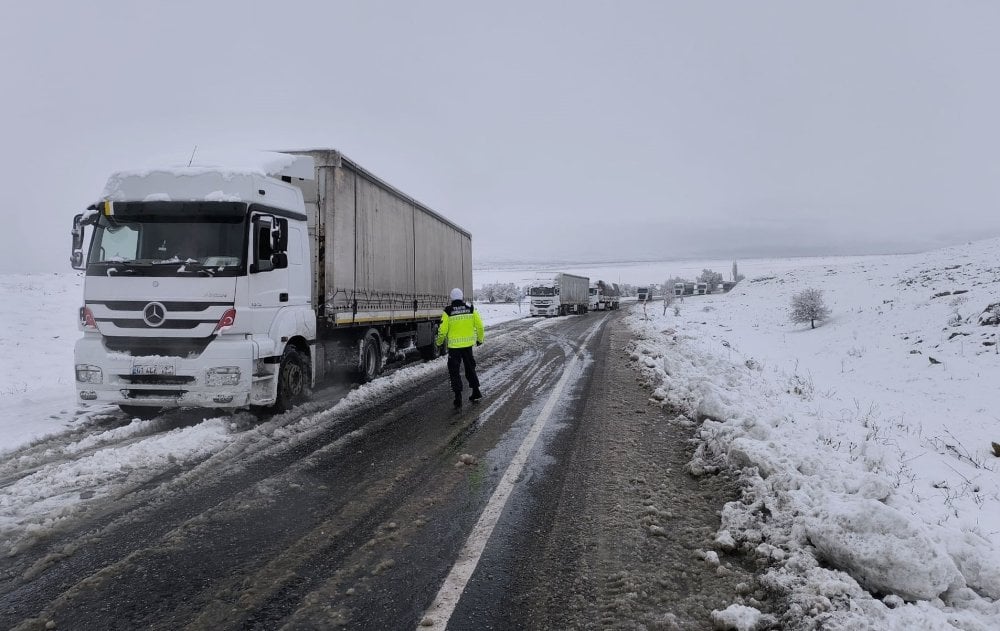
{"x": 243, "y": 283}
{"x": 604, "y": 296}
{"x": 564, "y": 294}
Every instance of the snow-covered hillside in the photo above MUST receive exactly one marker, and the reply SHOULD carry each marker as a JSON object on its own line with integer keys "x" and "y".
{"x": 870, "y": 480}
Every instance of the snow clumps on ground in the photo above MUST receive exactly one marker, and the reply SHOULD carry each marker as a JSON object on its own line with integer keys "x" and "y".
{"x": 870, "y": 487}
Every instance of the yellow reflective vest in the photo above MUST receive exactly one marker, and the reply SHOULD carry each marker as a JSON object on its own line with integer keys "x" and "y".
{"x": 460, "y": 325}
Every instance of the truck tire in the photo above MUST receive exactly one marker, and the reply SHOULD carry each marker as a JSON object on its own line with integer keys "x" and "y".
{"x": 429, "y": 352}
{"x": 370, "y": 364}
{"x": 293, "y": 380}
{"x": 140, "y": 411}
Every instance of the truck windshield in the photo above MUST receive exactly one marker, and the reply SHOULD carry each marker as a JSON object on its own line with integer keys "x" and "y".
{"x": 541, "y": 291}
{"x": 165, "y": 245}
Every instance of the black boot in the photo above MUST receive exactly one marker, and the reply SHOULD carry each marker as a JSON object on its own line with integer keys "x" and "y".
{"x": 476, "y": 395}
{"x": 458, "y": 401}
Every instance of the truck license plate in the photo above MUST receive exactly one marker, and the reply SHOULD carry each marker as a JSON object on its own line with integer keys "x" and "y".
{"x": 152, "y": 369}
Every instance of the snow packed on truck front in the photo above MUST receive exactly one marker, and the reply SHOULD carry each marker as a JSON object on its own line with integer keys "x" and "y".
{"x": 544, "y": 300}
{"x": 159, "y": 317}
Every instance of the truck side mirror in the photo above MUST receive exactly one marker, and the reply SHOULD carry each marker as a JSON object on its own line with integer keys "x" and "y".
{"x": 279, "y": 260}
{"x": 76, "y": 258}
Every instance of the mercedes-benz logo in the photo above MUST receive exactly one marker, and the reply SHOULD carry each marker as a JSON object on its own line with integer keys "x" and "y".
{"x": 154, "y": 314}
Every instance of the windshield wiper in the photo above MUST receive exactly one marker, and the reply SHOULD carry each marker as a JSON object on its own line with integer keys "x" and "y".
{"x": 194, "y": 267}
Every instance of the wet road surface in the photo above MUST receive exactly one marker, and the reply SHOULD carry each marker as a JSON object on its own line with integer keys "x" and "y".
{"x": 355, "y": 516}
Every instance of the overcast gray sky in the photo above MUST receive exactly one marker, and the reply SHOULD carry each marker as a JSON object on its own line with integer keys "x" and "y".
{"x": 577, "y": 130}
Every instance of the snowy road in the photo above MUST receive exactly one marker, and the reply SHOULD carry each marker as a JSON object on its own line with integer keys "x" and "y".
{"x": 352, "y": 510}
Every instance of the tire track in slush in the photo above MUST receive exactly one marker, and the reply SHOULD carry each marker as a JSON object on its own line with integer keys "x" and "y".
{"x": 440, "y": 611}
{"x": 142, "y": 516}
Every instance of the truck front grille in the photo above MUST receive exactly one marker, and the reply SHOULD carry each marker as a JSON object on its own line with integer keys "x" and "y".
{"x": 164, "y": 346}
{"x": 157, "y": 380}
{"x": 135, "y": 393}
{"x": 170, "y": 305}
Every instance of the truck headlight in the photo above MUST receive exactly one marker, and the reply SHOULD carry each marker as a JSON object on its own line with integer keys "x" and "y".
{"x": 85, "y": 373}
{"x": 223, "y": 376}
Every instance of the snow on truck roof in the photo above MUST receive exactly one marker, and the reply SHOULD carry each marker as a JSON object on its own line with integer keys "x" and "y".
{"x": 229, "y": 163}
{"x": 214, "y": 176}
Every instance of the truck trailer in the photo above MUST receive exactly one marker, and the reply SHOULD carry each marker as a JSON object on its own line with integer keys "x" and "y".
{"x": 243, "y": 283}
{"x": 564, "y": 294}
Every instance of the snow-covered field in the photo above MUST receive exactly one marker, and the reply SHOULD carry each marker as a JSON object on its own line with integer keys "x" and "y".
{"x": 870, "y": 480}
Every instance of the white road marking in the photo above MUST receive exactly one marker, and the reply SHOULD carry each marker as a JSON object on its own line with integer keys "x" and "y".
{"x": 440, "y": 611}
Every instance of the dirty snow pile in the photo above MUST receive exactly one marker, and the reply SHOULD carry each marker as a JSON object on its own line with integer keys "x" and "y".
{"x": 865, "y": 445}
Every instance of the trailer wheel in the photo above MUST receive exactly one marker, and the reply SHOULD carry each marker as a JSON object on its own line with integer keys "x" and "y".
{"x": 371, "y": 357}
{"x": 293, "y": 380}
{"x": 140, "y": 411}
{"x": 429, "y": 352}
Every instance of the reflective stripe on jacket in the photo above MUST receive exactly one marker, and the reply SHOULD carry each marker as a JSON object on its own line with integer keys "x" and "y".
{"x": 460, "y": 325}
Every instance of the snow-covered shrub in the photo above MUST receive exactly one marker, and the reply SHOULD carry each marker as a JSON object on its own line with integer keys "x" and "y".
{"x": 498, "y": 292}
{"x": 801, "y": 386}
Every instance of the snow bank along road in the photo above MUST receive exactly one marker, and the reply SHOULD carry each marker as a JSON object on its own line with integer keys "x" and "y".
{"x": 558, "y": 501}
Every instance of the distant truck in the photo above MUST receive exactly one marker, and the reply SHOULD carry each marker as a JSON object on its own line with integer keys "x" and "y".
{"x": 566, "y": 293}
{"x": 243, "y": 284}
{"x": 604, "y": 296}
{"x": 642, "y": 294}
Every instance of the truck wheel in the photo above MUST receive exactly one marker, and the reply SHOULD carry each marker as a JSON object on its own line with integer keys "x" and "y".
{"x": 140, "y": 411}
{"x": 429, "y": 352}
{"x": 371, "y": 357}
{"x": 293, "y": 380}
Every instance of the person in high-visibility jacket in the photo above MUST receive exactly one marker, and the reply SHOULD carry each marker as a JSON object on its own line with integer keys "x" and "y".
{"x": 462, "y": 328}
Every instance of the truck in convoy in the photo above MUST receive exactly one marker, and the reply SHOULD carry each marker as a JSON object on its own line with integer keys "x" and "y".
{"x": 611, "y": 295}
{"x": 564, "y": 294}
{"x": 594, "y": 300}
{"x": 642, "y": 294}
{"x": 604, "y": 296}
{"x": 243, "y": 284}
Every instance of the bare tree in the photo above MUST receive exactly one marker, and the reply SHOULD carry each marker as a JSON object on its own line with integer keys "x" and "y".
{"x": 808, "y": 306}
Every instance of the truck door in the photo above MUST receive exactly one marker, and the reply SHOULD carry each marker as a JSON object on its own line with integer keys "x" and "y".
{"x": 268, "y": 272}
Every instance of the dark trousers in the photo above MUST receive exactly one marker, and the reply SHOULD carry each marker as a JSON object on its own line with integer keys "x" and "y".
{"x": 456, "y": 357}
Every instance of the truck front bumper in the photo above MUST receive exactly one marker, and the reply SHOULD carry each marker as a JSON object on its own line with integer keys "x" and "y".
{"x": 544, "y": 311}
{"x": 220, "y": 377}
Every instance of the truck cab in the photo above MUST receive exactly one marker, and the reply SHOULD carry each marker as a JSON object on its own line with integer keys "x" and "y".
{"x": 197, "y": 288}
{"x": 544, "y": 300}
{"x": 596, "y": 301}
